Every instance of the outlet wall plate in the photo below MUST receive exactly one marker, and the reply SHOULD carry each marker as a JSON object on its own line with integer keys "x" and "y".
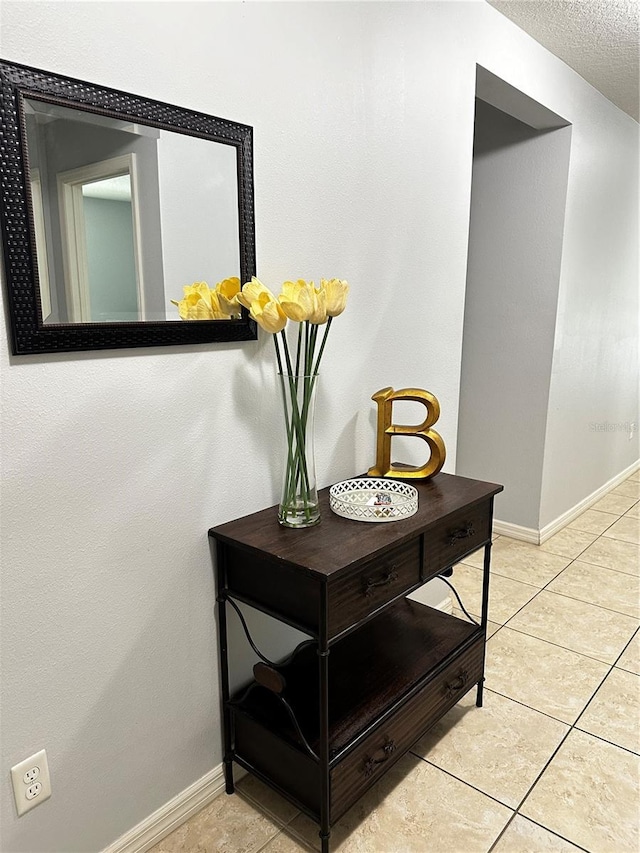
{"x": 31, "y": 782}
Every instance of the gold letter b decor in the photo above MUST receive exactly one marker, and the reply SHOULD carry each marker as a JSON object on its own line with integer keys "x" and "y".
{"x": 386, "y": 430}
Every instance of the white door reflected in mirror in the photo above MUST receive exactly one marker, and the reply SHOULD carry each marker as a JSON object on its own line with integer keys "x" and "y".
{"x": 101, "y": 242}
{"x": 113, "y": 262}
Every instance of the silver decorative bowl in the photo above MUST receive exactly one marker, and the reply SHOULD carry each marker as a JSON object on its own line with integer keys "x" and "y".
{"x": 370, "y": 499}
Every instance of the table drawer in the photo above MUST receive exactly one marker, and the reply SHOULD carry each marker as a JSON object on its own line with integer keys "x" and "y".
{"x": 455, "y": 537}
{"x": 356, "y": 595}
{"x": 362, "y": 767}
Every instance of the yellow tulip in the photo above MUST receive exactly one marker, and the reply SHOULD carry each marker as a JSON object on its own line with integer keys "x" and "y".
{"x": 319, "y": 313}
{"x": 297, "y": 300}
{"x": 336, "y": 292}
{"x": 183, "y": 306}
{"x": 218, "y": 311}
{"x": 200, "y": 310}
{"x": 268, "y": 313}
{"x": 250, "y": 292}
{"x": 197, "y": 290}
{"x": 227, "y": 292}
{"x": 199, "y": 303}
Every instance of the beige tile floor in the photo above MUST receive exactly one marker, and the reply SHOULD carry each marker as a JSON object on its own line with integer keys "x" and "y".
{"x": 552, "y": 760}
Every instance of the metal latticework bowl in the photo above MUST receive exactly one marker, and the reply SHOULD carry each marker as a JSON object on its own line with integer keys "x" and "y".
{"x": 369, "y": 499}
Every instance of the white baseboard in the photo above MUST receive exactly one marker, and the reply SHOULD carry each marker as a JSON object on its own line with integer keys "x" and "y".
{"x": 537, "y": 537}
{"x": 516, "y": 531}
{"x": 567, "y": 517}
{"x": 170, "y": 816}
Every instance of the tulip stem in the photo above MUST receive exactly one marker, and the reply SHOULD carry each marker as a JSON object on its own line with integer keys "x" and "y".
{"x": 298, "y": 348}
{"x": 297, "y": 390}
{"x": 298, "y": 488}
{"x": 297, "y": 475}
{"x": 322, "y": 345}
{"x": 278, "y": 357}
{"x": 286, "y": 353}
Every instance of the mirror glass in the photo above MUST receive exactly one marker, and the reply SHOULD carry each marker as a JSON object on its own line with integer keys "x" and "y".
{"x": 125, "y": 215}
{"x": 110, "y": 205}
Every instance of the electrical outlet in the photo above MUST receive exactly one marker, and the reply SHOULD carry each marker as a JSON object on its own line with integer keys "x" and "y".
{"x": 31, "y": 775}
{"x": 31, "y": 782}
{"x": 33, "y": 791}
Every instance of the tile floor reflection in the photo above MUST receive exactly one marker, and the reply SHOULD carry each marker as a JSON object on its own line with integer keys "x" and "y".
{"x": 551, "y": 763}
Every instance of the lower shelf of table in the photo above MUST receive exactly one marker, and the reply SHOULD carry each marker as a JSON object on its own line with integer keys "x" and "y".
{"x": 389, "y": 683}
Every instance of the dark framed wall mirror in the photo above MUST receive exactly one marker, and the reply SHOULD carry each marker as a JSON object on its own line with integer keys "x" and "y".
{"x": 109, "y": 204}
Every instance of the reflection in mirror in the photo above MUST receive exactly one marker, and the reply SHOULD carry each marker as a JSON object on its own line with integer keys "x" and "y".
{"x": 101, "y": 258}
{"x": 126, "y": 214}
{"x": 111, "y": 204}
{"x": 113, "y": 284}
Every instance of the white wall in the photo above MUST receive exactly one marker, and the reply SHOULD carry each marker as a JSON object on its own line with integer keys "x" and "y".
{"x": 592, "y": 428}
{"x": 116, "y": 464}
{"x": 199, "y": 212}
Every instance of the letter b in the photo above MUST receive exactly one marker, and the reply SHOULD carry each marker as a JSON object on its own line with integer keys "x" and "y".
{"x": 386, "y": 430}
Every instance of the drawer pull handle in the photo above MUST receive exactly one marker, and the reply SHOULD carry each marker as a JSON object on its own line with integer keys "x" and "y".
{"x": 463, "y": 533}
{"x": 371, "y": 583}
{"x": 370, "y": 764}
{"x": 458, "y": 683}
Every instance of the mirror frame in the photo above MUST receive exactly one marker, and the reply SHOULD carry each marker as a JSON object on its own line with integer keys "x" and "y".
{"x": 29, "y": 333}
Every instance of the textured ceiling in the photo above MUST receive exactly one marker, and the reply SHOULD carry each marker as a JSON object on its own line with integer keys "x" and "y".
{"x": 597, "y": 38}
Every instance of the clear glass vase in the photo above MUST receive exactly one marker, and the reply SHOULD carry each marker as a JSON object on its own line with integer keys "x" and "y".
{"x": 299, "y": 504}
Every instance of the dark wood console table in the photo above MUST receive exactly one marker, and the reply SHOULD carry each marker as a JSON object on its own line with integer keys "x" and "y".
{"x": 379, "y": 669}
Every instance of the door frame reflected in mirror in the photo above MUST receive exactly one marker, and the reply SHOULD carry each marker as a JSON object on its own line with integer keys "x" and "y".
{"x": 73, "y": 221}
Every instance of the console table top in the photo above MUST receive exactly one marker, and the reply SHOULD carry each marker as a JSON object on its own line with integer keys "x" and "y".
{"x": 336, "y": 543}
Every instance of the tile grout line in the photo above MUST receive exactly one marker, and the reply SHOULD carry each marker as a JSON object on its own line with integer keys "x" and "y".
{"x": 604, "y": 739}
{"x": 544, "y": 769}
{"x": 590, "y": 532}
{"x": 545, "y": 589}
{"x": 292, "y": 835}
{"x": 584, "y": 601}
{"x": 462, "y": 781}
{"x": 618, "y": 571}
{"x": 539, "y": 776}
{"x": 502, "y": 831}
{"x": 613, "y": 666}
{"x": 281, "y": 824}
{"x": 558, "y": 646}
{"x": 537, "y": 710}
{"x": 542, "y": 826}
{"x": 620, "y": 538}
{"x": 572, "y": 726}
